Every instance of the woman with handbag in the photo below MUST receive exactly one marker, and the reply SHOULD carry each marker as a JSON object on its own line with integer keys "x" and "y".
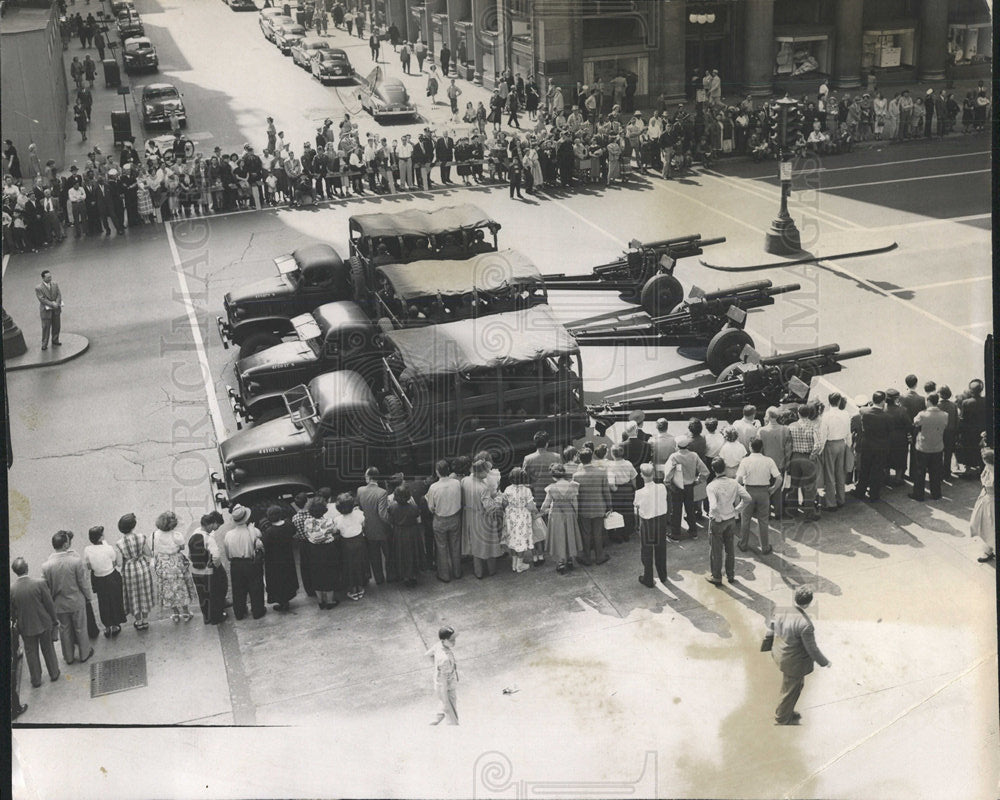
{"x": 137, "y": 573}
{"x": 564, "y": 539}
{"x": 174, "y": 585}
{"x": 106, "y": 581}
{"x": 519, "y": 513}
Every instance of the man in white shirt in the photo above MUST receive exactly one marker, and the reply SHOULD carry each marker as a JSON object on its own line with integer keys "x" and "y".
{"x": 662, "y": 445}
{"x": 834, "y": 436}
{"x": 761, "y": 478}
{"x": 241, "y": 546}
{"x": 405, "y": 155}
{"x": 682, "y": 470}
{"x": 818, "y": 141}
{"x": 726, "y": 499}
{"x": 651, "y": 511}
{"x": 747, "y": 427}
{"x": 444, "y": 499}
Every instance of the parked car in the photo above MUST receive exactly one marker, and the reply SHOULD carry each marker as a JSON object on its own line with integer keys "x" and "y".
{"x": 443, "y": 390}
{"x": 304, "y": 50}
{"x": 130, "y": 25}
{"x": 267, "y": 19}
{"x": 287, "y": 35}
{"x": 120, "y": 6}
{"x": 161, "y": 101}
{"x": 258, "y": 315}
{"x": 331, "y": 65}
{"x": 384, "y": 97}
{"x": 341, "y": 335}
{"x": 242, "y": 5}
{"x": 138, "y": 55}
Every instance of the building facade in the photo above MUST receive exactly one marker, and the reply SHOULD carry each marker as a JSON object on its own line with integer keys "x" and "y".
{"x": 758, "y": 46}
{"x": 33, "y": 83}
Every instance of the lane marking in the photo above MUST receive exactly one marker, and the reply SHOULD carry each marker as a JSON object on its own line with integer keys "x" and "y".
{"x": 903, "y": 180}
{"x": 940, "y": 220}
{"x": 945, "y": 283}
{"x": 835, "y": 266}
{"x": 621, "y": 242}
{"x": 199, "y": 344}
{"x": 978, "y": 325}
{"x": 891, "y": 163}
{"x": 6, "y": 261}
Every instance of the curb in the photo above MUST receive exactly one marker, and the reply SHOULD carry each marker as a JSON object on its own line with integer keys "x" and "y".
{"x": 73, "y": 346}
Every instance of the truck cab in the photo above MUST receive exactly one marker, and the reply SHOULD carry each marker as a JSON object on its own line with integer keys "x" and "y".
{"x": 258, "y": 315}
{"x": 441, "y": 391}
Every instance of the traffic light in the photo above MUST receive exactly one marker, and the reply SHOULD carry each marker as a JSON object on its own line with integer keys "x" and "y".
{"x": 793, "y": 124}
{"x": 775, "y": 134}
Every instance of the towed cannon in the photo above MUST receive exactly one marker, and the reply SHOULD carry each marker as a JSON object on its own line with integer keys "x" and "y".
{"x": 714, "y": 320}
{"x": 753, "y": 380}
{"x": 644, "y": 274}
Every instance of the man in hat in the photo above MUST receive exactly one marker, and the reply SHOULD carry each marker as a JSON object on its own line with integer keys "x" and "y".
{"x": 244, "y": 549}
{"x": 69, "y": 584}
{"x": 791, "y": 639}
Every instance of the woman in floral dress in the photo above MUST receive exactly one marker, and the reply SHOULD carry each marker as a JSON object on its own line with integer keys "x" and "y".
{"x": 560, "y": 504}
{"x": 136, "y": 571}
{"x": 174, "y": 585}
{"x": 519, "y": 513}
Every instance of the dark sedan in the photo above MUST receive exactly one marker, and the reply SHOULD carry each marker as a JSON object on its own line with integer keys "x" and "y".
{"x": 130, "y": 26}
{"x": 385, "y": 98}
{"x": 242, "y": 5}
{"x": 331, "y": 65}
{"x": 139, "y": 55}
{"x": 160, "y": 102}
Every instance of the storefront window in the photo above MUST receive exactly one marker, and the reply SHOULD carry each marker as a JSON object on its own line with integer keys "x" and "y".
{"x": 887, "y": 49}
{"x": 608, "y": 67}
{"x": 801, "y": 55}
{"x": 970, "y": 44}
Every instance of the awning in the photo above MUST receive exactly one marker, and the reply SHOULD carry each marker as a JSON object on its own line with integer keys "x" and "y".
{"x": 515, "y": 337}
{"x": 489, "y": 272}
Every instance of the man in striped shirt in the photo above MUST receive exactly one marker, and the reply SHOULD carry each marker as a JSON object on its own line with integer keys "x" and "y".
{"x": 802, "y": 464}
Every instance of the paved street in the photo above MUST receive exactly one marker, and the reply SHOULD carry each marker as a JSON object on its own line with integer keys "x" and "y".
{"x": 616, "y": 690}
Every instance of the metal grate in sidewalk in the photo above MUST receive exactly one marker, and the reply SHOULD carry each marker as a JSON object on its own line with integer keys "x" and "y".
{"x": 118, "y": 675}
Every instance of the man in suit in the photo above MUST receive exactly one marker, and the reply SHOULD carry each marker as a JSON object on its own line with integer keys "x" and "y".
{"x": 373, "y": 500}
{"x": 637, "y": 450}
{"x": 51, "y": 214}
{"x": 115, "y": 193}
{"x": 97, "y": 206}
{"x": 793, "y": 648}
{"x": 68, "y": 581}
{"x": 423, "y": 158}
{"x": 593, "y": 505}
{"x": 32, "y": 609}
{"x": 873, "y": 449}
{"x": 50, "y": 307}
{"x": 444, "y": 152}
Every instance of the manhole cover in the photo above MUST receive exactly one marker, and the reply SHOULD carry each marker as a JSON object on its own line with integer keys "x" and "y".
{"x": 118, "y": 675}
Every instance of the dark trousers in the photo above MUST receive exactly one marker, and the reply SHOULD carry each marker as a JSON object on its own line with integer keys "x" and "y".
{"x": 445, "y": 173}
{"x": 924, "y": 465}
{"x": 871, "y": 471}
{"x": 484, "y": 566}
{"x": 758, "y": 508}
{"x": 377, "y": 550}
{"x": 721, "y": 539}
{"x": 791, "y": 688}
{"x": 949, "y": 452}
{"x": 305, "y": 569}
{"x": 248, "y": 579}
{"x": 52, "y": 324}
{"x": 31, "y": 646}
{"x": 448, "y": 546}
{"x": 212, "y": 590}
{"x": 681, "y": 499}
{"x": 653, "y": 536}
{"x": 592, "y": 532}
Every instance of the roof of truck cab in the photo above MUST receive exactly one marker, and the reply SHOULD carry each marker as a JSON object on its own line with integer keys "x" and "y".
{"x": 313, "y": 256}
{"x": 422, "y": 223}
{"x": 514, "y": 337}
{"x": 488, "y": 272}
{"x": 341, "y": 393}
{"x": 341, "y": 315}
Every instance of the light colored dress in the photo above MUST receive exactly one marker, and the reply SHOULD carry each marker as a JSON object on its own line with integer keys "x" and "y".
{"x": 174, "y": 586}
{"x": 480, "y": 536}
{"x": 560, "y": 504}
{"x": 519, "y": 511}
{"x": 983, "y": 521}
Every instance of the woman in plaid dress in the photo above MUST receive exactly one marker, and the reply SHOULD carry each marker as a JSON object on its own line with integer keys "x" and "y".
{"x": 136, "y": 573}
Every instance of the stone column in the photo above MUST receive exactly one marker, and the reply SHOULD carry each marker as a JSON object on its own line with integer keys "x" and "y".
{"x": 758, "y": 47}
{"x": 666, "y": 65}
{"x": 847, "y": 52}
{"x": 933, "y": 51}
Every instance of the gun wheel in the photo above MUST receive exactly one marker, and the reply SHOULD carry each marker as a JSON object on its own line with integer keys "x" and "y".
{"x": 660, "y": 294}
{"x": 725, "y": 348}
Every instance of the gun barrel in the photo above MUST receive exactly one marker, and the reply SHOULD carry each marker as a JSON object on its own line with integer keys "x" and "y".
{"x": 788, "y": 287}
{"x": 691, "y": 238}
{"x": 858, "y": 353}
{"x": 752, "y": 286}
{"x": 801, "y": 355}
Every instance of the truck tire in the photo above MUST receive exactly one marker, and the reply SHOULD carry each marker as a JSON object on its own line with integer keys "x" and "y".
{"x": 725, "y": 348}
{"x": 394, "y": 409}
{"x": 256, "y": 342}
{"x": 385, "y": 325}
{"x": 358, "y": 280}
{"x": 660, "y": 294}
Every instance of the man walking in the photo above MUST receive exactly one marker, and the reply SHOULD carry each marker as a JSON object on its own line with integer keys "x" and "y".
{"x": 651, "y": 511}
{"x": 445, "y": 676}
{"x": 420, "y": 51}
{"x": 834, "y": 433}
{"x": 593, "y": 505}
{"x": 207, "y": 571}
{"x": 50, "y": 308}
{"x": 373, "y": 501}
{"x": 930, "y": 425}
{"x": 726, "y": 501}
{"x": 761, "y": 477}
{"x": 32, "y": 608}
{"x": 445, "y": 56}
{"x": 791, "y": 638}
{"x": 69, "y": 584}
{"x": 444, "y": 499}
{"x": 244, "y": 549}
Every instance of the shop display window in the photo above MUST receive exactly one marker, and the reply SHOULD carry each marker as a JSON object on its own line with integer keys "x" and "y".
{"x": 801, "y": 55}
{"x": 970, "y": 44}
{"x": 887, "y": 49}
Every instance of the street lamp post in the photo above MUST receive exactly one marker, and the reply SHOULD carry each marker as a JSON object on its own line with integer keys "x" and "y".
{"x": 783, "y": 237}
